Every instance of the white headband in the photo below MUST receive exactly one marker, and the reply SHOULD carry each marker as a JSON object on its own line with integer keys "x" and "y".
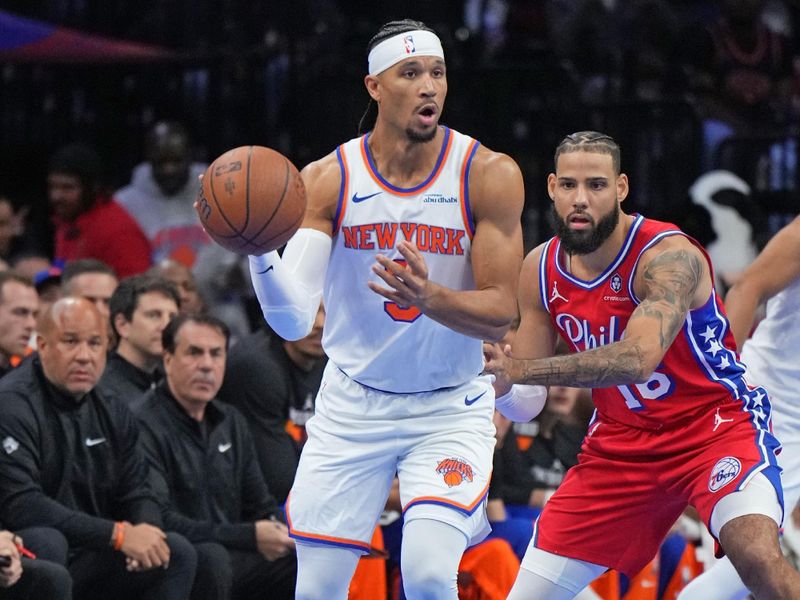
{"x": 402, "y": 46}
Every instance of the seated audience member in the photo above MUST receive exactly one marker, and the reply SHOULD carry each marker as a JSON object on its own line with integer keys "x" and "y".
{"x": 28, "y": 264}
{"x": 141, "y": 307}
{"x": 72, "y": 462}
{"x": 273, "y": 381}
{"x": 89, "y": 223}
{"x": 162, "y": 192}
{"x": 91, "y": 279}
{"x": 48, "y": 286}
{"x": 183, "y": 279}
{"x": 25, "y": 575}
{"x": 223, "y": 281}
{"x": 205, "y": 469}
{"x": 19, "y": 305}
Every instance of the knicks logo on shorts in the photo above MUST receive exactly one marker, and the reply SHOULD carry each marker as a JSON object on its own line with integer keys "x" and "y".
{"x": 725, "y": 471}
{"x": 454, "y": 471}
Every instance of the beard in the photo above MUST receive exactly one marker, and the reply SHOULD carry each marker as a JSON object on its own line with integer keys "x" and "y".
{"x": 420, "y": 137}
{"x": 587, "y": 241}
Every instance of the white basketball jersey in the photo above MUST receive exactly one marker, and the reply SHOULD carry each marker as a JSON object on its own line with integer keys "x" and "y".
{"x": 372, "y": 340}
{"x": 773, "y": 353}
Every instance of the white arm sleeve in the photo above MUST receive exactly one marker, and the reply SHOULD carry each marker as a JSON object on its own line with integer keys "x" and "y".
{"x": 289, "y": 288}
{"x": 522, "y": 403}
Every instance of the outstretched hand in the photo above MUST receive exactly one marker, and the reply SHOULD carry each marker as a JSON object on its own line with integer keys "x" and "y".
{"x": 499, "y": 363}
{"x": 407, "y": 278}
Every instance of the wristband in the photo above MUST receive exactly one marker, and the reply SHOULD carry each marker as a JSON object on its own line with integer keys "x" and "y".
{"x": 118, "y": 535}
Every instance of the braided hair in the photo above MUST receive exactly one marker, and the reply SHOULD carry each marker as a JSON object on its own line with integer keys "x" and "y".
{"x": 590, "y": 141}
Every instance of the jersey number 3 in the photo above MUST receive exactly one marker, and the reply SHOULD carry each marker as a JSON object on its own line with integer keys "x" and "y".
{"x": 397, "y": 312}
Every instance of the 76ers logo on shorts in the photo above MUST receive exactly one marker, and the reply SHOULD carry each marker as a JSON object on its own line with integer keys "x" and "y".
{"x": 454, "y": 471}
{"x": 723, "y": 473}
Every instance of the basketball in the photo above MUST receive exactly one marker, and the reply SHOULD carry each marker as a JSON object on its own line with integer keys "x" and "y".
{"x": 251, "y": 200}
{"x": 452, "y": 478}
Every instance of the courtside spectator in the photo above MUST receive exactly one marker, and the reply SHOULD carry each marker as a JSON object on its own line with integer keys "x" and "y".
{"x": 141, "y": 307}
{"x": 90, "y": 224}
{"x": 19, "y": 305}
{"x": 72, "y": 462}
{"x": 205, "y": 470}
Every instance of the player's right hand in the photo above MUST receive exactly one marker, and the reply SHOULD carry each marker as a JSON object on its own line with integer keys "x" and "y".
{"x": 272, "y": 539}
{"x": 498, "y": 363}
{"x": 145, "y": 544}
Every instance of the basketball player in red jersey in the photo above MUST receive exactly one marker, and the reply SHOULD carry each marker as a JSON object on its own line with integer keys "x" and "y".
{"x": 412, "y": 236}
{"x": 675, "y": 424}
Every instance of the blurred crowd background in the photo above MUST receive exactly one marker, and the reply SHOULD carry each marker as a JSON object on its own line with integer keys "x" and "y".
{"x": 685, "y": 86}
{"x": 109, "y": 109}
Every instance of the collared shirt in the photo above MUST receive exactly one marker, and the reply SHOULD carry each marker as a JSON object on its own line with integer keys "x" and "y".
{"x": 74, "y": 465}
{"x": 206, "y": 474}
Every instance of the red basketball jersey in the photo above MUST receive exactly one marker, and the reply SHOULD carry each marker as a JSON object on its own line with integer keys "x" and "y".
{"x": 699, "y": 370}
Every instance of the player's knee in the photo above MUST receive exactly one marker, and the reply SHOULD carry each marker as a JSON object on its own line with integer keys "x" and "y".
{"x": 324, "y": 572}
{"x": 425, "y": 580}
{"x": 310, "y": 590}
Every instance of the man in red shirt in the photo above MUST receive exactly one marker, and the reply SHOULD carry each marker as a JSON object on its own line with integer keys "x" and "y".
{"x": 90, "y": 224}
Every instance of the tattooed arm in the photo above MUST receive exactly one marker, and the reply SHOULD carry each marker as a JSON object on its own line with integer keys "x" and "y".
{"x": 671, "y": 278}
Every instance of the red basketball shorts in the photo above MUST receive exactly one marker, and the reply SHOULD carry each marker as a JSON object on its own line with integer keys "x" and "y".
{"x": 630, "y": 485}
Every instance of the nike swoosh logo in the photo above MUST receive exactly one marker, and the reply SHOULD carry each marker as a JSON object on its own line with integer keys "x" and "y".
{"x": 357, "y": 198}
{"x": 224, "y": 447}
{"x": 470, "y": 401}
{"x": 94, "y": 441}
{"x": 267, "y": 270}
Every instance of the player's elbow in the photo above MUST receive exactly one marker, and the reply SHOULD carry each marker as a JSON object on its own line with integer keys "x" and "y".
{"x": 638, "y": 361}
{"x": 497, "y": 330}
{"x": 644, "y": 369}
{"x": 288, "y": 324}
{"x": 495, "y": 334}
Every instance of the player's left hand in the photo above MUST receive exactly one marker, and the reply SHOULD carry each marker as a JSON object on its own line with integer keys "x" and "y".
{"x": 408, "y": 282}
{"x": 499, "y": 363}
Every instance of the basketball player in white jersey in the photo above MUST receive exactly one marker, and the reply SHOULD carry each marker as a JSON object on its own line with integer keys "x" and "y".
{"x": 412, "y": 237}
{"x": 772, "y": 356}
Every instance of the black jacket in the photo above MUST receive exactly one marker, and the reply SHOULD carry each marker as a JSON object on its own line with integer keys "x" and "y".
{"x": 126, "y": 381}
{"x": 72, "y": 465}
{"x": 206, "y": 476}
{"x": 268, "y": 388}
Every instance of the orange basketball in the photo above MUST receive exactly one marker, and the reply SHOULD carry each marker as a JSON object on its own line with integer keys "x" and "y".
{"x": 251, "y": 200}
{"x": 452, "y": 478}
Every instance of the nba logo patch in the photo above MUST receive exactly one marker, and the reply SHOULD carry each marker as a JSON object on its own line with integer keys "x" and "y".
{"x": 725, "y": 471}
{"x": 408, "y": 42}
{"x": 616, "y": 283}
